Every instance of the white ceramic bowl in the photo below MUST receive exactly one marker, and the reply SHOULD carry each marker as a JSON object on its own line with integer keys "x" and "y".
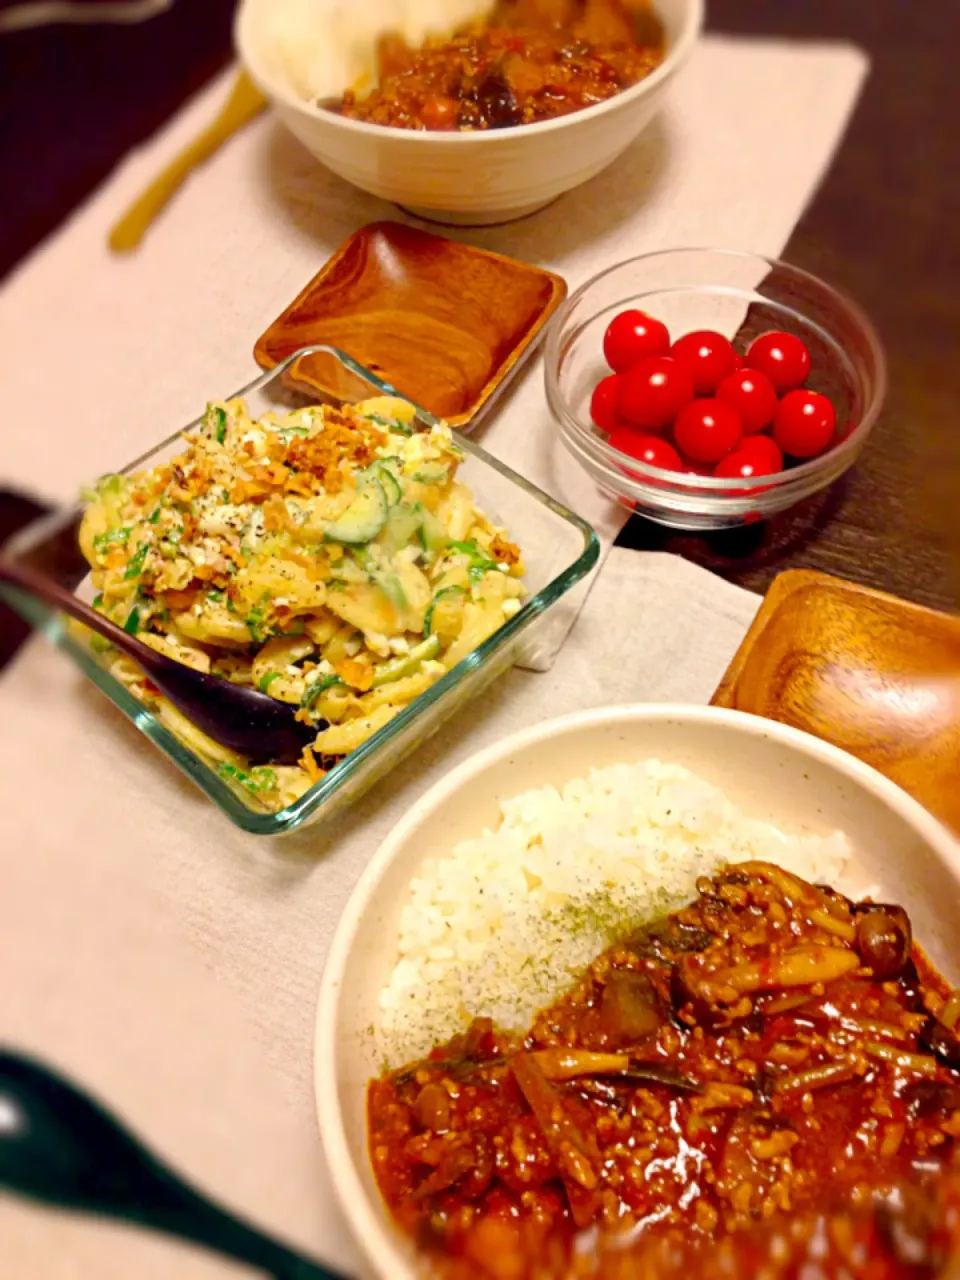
{"x": 772, "y": 771}
{"x": 477, "y": 178}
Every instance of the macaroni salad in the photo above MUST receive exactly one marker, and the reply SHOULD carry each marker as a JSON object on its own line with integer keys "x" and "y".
{"x": 326, "y": 556}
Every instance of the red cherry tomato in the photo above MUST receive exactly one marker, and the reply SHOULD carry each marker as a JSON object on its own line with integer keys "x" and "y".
{"x": 709, "y": 356}
{"x": 763, "y": 450}
{"x": 751, "y": 394}
{"x": 782, "y": 357}
{"x": 632, "y": 336}
{"x": 804, "y": 423}
{"x": 654, "y": 391}
{"x": 603, "y": 403}
{"x": 707, "y": 430}
{"x": 653, "y": 450}
{"x": 747, "y": 461}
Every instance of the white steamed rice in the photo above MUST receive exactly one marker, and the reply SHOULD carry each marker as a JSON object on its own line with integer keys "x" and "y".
{"x": 507, "y": 921}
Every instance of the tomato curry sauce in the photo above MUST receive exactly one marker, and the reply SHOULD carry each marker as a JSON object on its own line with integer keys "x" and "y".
{"x": 771, "y": 1054}
{"x": 531, "y": 60}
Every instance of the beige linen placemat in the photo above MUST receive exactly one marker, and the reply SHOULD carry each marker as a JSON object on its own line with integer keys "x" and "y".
{"x": 168, "y": 960}
{"x": 101, "y": 357}
{"x": 172, "y": 963}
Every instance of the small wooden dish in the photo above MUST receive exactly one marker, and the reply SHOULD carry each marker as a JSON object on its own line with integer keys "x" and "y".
{"x": 873, "y": 674}
{"x": 445, "y": 323}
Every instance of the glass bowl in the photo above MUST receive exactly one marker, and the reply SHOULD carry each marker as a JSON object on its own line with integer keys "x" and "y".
{"x": 740, "y": 295}
{"x": 558, "y": 548}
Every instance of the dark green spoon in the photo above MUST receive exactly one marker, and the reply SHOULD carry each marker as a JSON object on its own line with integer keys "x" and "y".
{"x": 59, "y": 1147}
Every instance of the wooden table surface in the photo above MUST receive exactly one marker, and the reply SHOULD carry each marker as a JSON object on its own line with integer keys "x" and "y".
{"x": 885, "y": 226}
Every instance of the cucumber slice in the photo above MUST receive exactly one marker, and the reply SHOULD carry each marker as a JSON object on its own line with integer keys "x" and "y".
{"x": 409, "y": 664}
{"x": 391, "y": 485}
{"x": 402, "y": 526}
{"x": 434, "y": 534}
{"x": 387, "y": 472}
{"x": 392, "y": 588}
{"x": 363, "y": 519}
{"x": 433, "y": 473}
{"x": 390, "y": 424}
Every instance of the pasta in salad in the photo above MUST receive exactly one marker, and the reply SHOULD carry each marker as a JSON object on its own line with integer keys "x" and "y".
{"x": 328, "y": 557}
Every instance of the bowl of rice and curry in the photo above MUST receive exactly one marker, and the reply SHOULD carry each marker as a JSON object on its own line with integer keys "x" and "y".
{"x": 463, "y": 111}
{"x": 649, "y": 992}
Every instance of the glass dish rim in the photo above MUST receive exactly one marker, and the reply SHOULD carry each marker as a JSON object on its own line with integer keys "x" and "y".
{"x": 205, "y": 776}
{"x": 721, "y": 495}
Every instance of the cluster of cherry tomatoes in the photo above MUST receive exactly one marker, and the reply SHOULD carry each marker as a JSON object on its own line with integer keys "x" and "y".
{"x": 695, "y": 405}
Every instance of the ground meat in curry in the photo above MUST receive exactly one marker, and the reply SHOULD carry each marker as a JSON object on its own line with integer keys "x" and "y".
{"x": 773, "y": 1068}
{"x": 531, "y": 60}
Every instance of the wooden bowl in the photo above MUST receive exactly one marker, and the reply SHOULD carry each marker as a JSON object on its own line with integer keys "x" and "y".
{"x": 446, "y": 324}
{"x": 875, "y": 675}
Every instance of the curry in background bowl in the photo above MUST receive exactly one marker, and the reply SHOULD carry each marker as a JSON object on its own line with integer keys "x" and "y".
{"x": 528, "y": 61}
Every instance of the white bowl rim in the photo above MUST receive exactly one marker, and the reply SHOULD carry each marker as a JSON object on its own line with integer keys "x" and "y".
{"x": 377, "y": 1244}
{"x": 677, "y": 55}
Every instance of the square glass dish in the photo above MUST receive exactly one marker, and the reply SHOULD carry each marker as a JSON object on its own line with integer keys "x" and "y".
{"x": 558, "y": 548}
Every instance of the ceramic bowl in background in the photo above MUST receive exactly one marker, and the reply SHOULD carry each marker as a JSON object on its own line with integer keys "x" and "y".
{"x": 477, "y": 177}
{"x": 773, "y": 772}
{"x": 740, "y": 295}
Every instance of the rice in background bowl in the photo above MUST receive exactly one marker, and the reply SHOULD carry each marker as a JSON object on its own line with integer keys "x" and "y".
{"x": 773, "y": 773}
{"x": 310, "y": 45}
{"x": 477, "y": 178}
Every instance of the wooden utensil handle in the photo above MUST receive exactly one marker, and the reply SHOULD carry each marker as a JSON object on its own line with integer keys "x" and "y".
{"x": 245, "y": 102}
{"x": 130, "y": 230}
{"x": 57, "y": 597}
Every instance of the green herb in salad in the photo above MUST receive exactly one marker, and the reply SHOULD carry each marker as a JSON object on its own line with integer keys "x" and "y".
{"x": 112, "y": 538}
{"x": 257, "y": 781}
{"x": 467, "y": 549}
{"x": 216, "y": 420}
{"x": 135, "y": 565}
{"x": 313, "y": 691}
{"x": 390, "y": 424}
{"x": 480, "y": 562}
{"x": 255, "y": 619}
